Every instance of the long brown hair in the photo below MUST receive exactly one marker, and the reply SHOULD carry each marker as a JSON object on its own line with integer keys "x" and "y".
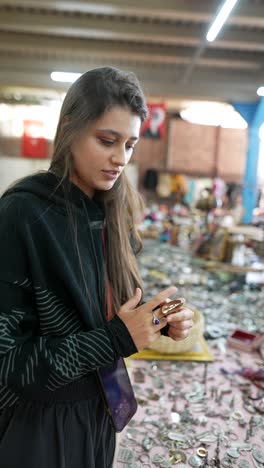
{"x": 93, "y": 94}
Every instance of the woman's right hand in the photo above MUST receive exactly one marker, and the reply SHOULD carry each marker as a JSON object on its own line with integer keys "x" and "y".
{"x": 138, "y": 320}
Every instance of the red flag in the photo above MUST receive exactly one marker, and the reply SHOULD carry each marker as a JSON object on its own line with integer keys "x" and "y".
{"x": 34, "y": 144}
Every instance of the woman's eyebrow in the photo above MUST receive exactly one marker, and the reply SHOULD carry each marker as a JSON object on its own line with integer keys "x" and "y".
{"x": 115, "y": 133}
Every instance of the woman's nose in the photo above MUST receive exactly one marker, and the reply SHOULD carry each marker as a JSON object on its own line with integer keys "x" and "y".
{"x": 119, "y": 156}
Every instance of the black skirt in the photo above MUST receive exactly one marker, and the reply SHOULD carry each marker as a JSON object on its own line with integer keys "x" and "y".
{"x": 61, "y": 429}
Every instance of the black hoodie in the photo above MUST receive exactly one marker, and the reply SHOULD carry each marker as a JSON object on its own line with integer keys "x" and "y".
{"x": 51, "y": 334}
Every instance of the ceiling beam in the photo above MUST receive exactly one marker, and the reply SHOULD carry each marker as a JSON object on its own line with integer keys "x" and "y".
{"x": 237, "y": 39}
{"x": 25, "y": 62}
{"x": 91, "y": 27}
{"x": 80, "y": 50}
{"x": 167, "y": 9}
{"x": 245, "y": 13}
{"x": 162, "y": 74}
{"x": 195, "y": 89}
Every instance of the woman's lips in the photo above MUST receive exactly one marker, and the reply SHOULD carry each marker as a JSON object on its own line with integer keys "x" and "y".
{"x": 110, "y": 175}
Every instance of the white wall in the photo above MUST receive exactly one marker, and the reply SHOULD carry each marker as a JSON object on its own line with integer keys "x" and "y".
{"x": 132, "y": 174}
{"x": 12, "y": 169}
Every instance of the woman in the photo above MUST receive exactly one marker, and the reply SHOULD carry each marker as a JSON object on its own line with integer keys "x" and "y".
{"x": 69, "y": 284}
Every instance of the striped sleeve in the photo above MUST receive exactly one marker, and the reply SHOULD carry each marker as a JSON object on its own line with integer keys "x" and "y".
{"x": 29, "y": 360}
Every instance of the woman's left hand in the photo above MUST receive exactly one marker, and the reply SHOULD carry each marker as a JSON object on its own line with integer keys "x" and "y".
{"x": 180, "y": 324}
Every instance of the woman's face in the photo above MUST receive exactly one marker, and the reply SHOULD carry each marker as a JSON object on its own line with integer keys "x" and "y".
{"x": 102, "y": 151}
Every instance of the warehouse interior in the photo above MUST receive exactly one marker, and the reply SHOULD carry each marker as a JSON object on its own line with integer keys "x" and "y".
{"x": 199, "y": 166}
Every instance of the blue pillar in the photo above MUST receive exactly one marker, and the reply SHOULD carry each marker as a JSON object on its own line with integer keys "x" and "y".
{"x": 254, "y": 115}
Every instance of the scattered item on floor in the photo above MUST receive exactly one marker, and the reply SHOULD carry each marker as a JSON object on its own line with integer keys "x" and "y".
{"x": 240, "y": 339}
{"x": 202, "y": 407}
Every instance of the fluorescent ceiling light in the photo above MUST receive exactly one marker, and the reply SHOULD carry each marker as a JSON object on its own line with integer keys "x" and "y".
{"x": 234, "y": 120}
{"x": 64, "y": 77}
{"x": 220, "y": 19}
{"x": 213, "y": 113}
{"x": 260, "y": 91}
